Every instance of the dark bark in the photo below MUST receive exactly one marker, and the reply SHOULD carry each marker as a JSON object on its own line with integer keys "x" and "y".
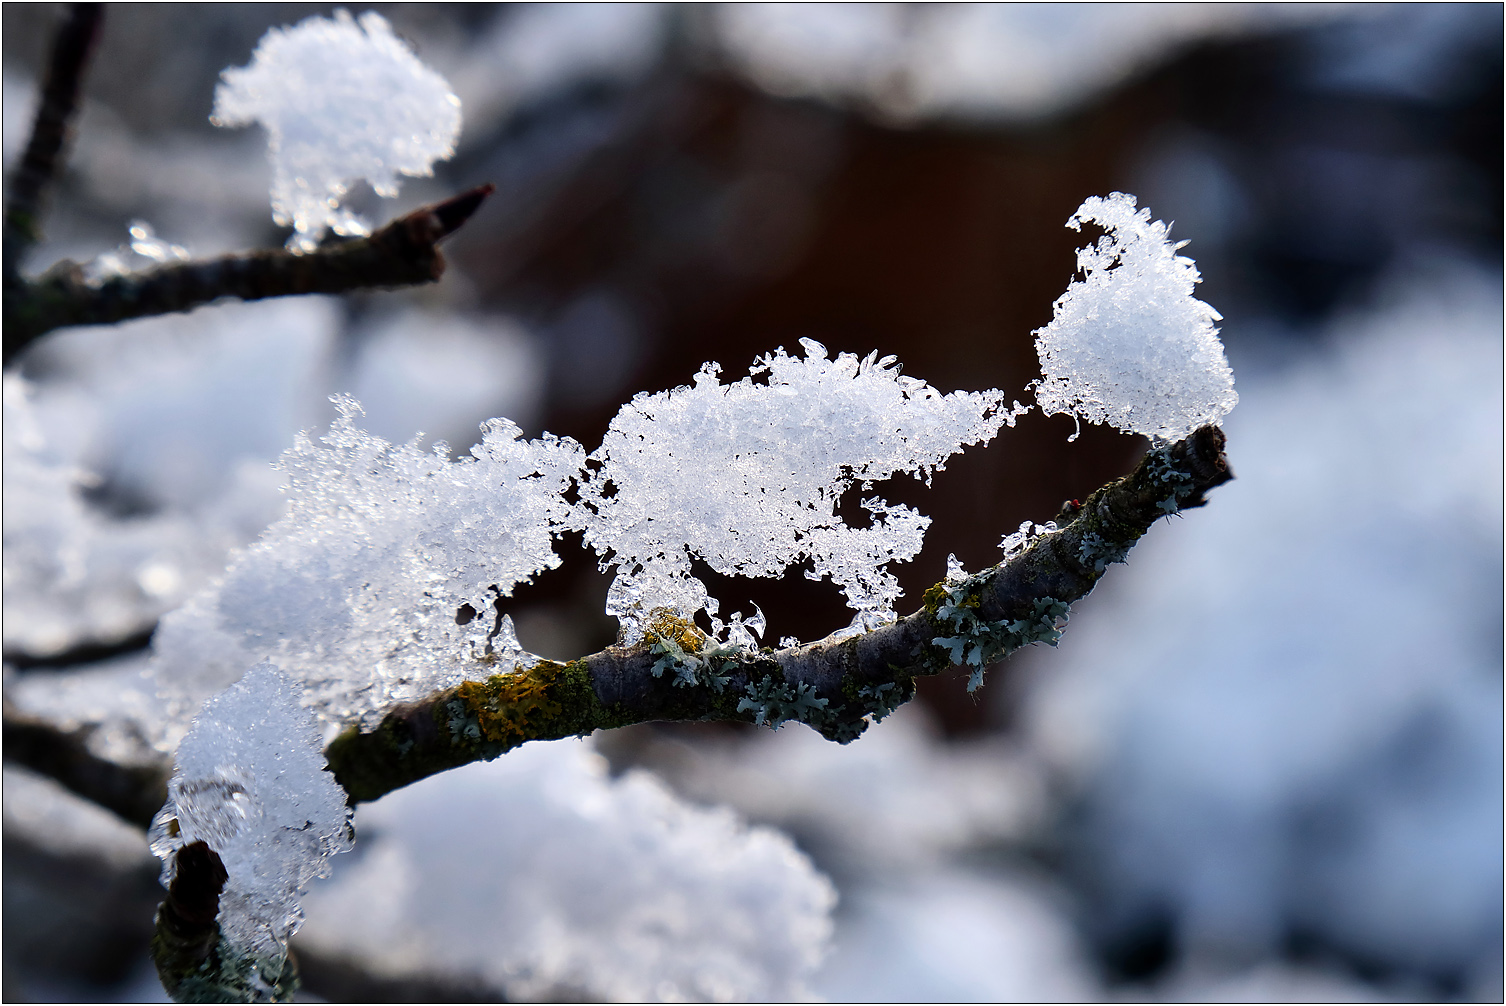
{"x": 403, "y": 253}
{"x": 135, "y": 792}
{"x": 31, "y": 185}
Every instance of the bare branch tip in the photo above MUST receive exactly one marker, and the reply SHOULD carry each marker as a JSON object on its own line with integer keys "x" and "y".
{"x": 456, "y": 210}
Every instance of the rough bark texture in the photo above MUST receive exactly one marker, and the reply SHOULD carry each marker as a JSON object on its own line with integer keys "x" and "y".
{"x": 403, "y": 253}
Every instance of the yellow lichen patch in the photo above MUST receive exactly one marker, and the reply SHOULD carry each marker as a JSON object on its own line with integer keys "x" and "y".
{"x": 664, "y": 624}
{"x": 509, "y": 707}
{"x": 934, "y": 596}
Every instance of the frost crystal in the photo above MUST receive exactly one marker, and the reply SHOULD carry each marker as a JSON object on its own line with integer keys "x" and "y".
{"x": 250, "y": 783}
{"x": 1018, "y": 541}
{"x": 341, "y": 100}
{"x": 747, "y": 477}
{"x": 379, "y": 583}
{"x": 1129, "y": 345}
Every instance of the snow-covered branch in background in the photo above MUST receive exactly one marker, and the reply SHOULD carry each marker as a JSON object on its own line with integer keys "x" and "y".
{"x": 342, "y": 101}
{"x": 405, "y": 252}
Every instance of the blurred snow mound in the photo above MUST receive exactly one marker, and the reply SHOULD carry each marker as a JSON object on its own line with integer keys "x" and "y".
{"x": 542, "y": 877}
{"x": 898, "y": 800}
{"x": 977, "y": 60}
{"x": 956, "y": 935}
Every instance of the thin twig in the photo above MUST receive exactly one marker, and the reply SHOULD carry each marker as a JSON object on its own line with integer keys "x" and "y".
{"x": 135, "y": 792}
{"x": 403, "y": 253}
{"x": 84, "y": 653}
{"x": 32, "y": 183}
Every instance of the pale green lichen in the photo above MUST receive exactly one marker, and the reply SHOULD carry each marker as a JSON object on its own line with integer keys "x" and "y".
{"x": 975, "y": 642}
{"x": 882, "y": 699}
{"x": 1098, "y": 553}
{"x": 774, "y": 703}
{"x": 1160, "y": 466}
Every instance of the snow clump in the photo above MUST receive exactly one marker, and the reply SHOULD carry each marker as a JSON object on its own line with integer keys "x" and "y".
{"x": 747, "y": 477}
{"x": 1129, "y": 345}
{"x": 250, "y": 782}
{"x": 341, "y": 100}
{"x": 378, "y": 584}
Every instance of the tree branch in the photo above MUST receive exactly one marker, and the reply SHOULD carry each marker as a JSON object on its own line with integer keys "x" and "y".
{"x": 403, "y": 253}
{"x": 135, "y": 792}
{"x": 833, "y": 685}
{"x": 34, "y": 179}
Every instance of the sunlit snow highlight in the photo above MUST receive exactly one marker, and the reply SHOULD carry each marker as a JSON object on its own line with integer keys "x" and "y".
{"x": 341, "y": 100}
{"x": 250, "y": 783}
{"x": 1129, "y": 345}
{"x": 747, "y": 476}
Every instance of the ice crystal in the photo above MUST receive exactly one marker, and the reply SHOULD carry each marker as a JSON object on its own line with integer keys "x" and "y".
{"x": 144, "y": 250}
{"x": 747, "y": 477}
{"x": 1016, "y": 542}
{"x": 379, "y": 583}
{"x": 250, "y": 782}
{"x": 341, "y": 100}
{"x": 1129, "y": 345}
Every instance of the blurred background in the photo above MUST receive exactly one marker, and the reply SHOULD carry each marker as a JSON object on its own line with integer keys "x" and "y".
{"x": 1264, "y": 763}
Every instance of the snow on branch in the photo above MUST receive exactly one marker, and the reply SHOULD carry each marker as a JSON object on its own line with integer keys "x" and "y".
{"x": 834, "y": 685}
{"x": 251, "y": 787}
{"x": 341, "y": 100}
{"x": 747, "y": 477}
{"x": 378, "y": 584}
{"x": 675, "y": 672}
{"x": 1129, "y": 345}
